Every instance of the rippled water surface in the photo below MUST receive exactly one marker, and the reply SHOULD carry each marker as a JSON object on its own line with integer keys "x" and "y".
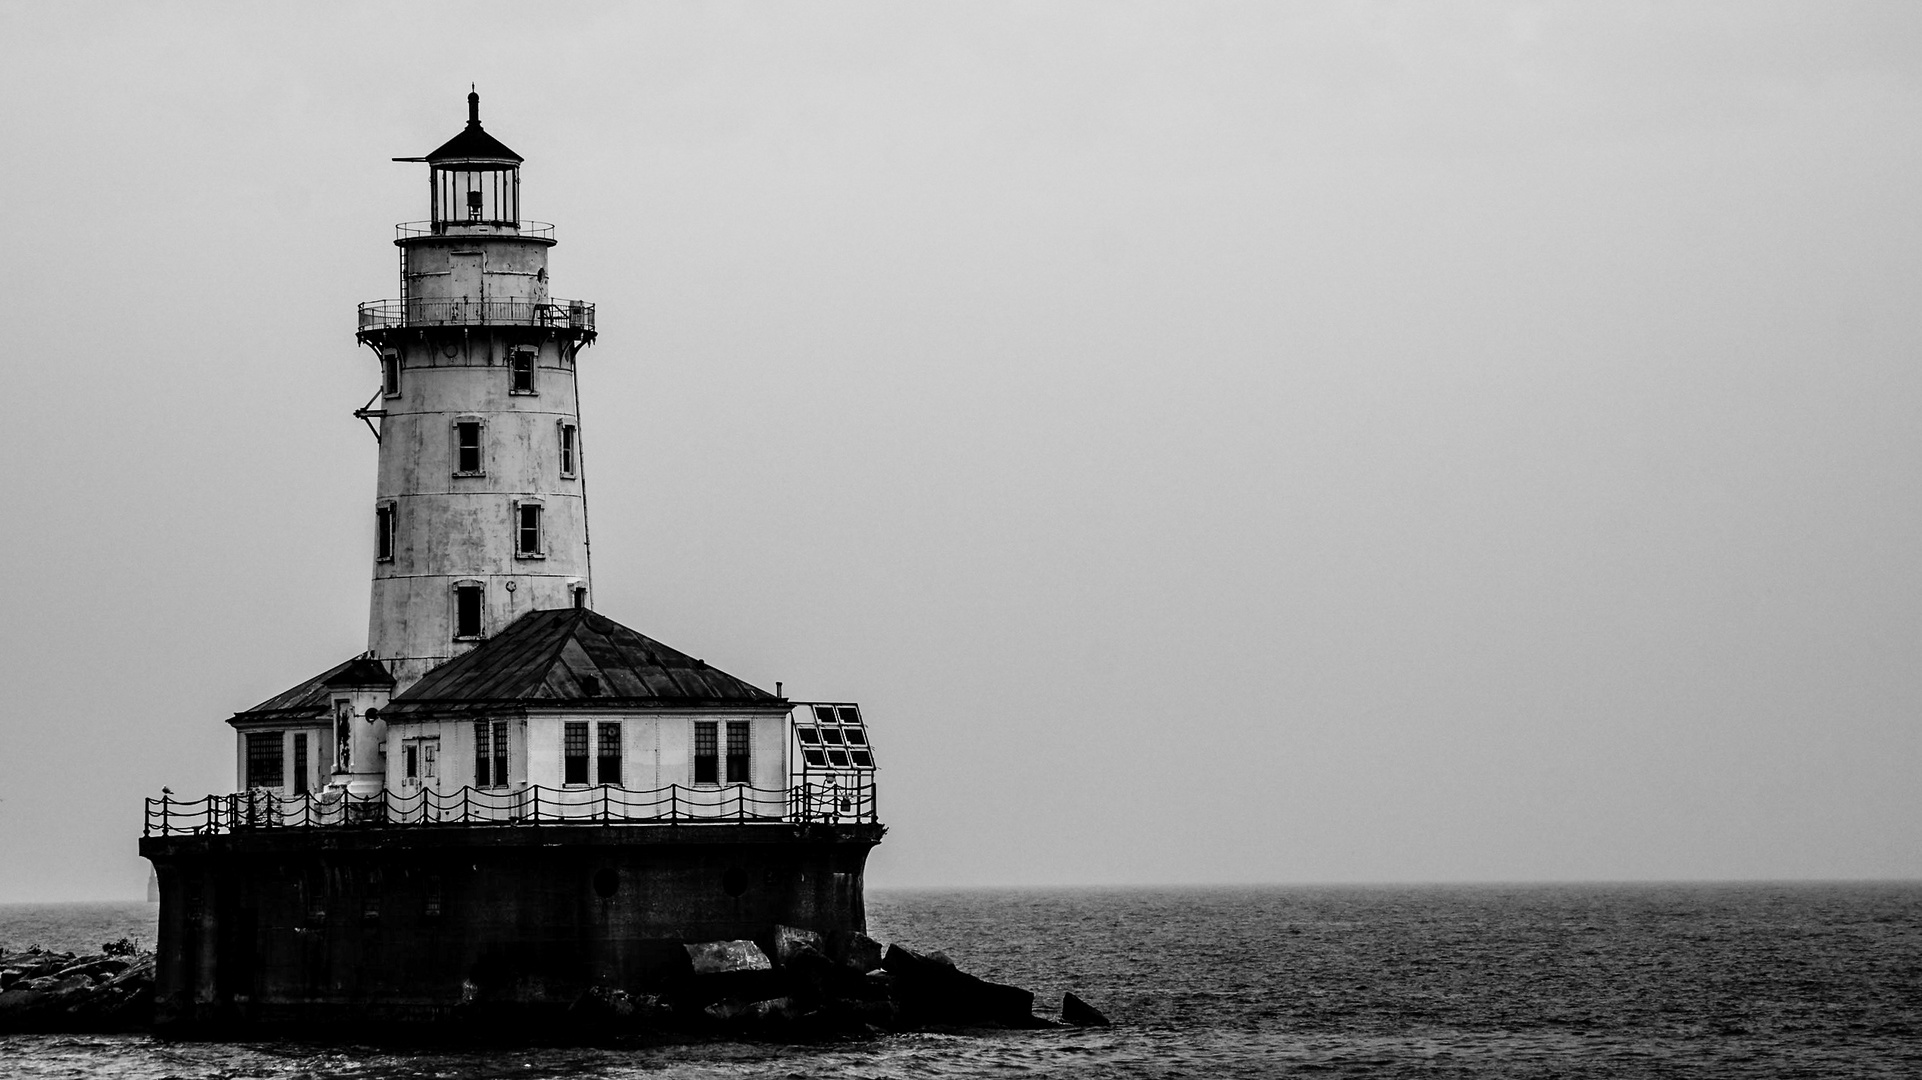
{"x": 1617, "y": 981}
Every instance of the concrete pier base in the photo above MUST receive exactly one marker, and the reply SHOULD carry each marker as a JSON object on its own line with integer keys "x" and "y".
{"x": 345, "y": 932}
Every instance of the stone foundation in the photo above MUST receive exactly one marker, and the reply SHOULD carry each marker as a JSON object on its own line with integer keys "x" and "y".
{"x": 346, "y": 931}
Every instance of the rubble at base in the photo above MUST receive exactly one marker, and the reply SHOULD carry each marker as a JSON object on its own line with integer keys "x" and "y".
{"x": 811, "y": 987}
{"x": 43, "y": 991}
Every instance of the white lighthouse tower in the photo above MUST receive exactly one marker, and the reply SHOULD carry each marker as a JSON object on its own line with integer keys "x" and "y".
{"x": 479, "y": 512}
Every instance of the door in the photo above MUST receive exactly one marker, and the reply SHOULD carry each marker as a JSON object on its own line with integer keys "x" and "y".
{"x": 420, "y": 778}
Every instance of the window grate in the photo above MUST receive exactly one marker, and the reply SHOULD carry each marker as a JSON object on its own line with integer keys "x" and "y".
{"x": 265, "y": 761}
{"x": 737, "y": 751}
{"x": 707, "y": 762}
{"x": 608, "y": 761}
{"x": 574, "y": 753}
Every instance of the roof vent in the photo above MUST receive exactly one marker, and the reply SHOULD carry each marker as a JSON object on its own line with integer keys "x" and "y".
{"x": 591, "y": 685}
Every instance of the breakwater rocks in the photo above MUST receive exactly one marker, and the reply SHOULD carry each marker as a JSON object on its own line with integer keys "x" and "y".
{"x": 842, "y": 983}
{"x": 796, "y": 985}
{"x": 43, "y": 991}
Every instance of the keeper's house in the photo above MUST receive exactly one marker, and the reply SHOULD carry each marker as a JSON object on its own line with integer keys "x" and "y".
{"x": 510, "y": 798}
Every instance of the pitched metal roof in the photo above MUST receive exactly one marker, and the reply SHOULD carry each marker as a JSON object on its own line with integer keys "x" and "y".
{"x": 472, "y": 142}
{"x": 573, "y": 656}
{"x": 313, "y": 695}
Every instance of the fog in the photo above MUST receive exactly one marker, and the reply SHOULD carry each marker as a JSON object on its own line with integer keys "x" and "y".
{"x": 1214, "y": 442}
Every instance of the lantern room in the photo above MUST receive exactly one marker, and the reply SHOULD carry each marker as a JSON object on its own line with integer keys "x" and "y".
{"x": 474, "y": 179}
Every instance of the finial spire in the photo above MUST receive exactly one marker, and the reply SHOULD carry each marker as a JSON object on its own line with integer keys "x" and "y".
{"x": 473, "y": 106}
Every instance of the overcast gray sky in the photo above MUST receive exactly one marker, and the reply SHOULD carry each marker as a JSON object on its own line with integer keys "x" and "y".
{"x": 1216, "y": 442}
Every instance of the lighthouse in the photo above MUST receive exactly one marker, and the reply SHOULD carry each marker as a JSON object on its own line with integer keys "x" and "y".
{"x": 509, "y": 799}
{"x": 480, "y": 511}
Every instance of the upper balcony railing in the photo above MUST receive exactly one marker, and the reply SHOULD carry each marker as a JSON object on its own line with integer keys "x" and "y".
{"x": 428, "y": 311}
{"x": 839, "y": 800}
{"x": 540, "y": 230}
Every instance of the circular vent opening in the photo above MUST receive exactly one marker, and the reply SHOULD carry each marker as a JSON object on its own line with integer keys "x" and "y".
{"x": 606, "y": 882}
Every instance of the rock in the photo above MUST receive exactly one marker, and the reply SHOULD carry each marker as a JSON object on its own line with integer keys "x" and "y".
{"x": 856, "y": 951}
{"x": 71, "y": 983}
{"x": 602, "y": 1006}
{"x": 727, "y": 957}
{"x": 1081, "y": 1014}
{"x": 789, "y": 940}
{"x": 43, "y": 984}
{"x": 773, "y": 1010}
{"x": 141, "y": 971}
{"x": 932, "y": 992}
{"x": 725, "y": 1009}
{"x": 95, "y": 967}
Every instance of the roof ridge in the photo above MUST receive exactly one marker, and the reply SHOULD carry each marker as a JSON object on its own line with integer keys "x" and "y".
{"x": 561, "y": 639}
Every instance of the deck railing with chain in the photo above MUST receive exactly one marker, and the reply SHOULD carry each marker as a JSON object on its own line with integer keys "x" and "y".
{"x": 829, "y": 801}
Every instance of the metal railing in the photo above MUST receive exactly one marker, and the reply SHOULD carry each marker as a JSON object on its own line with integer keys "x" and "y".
{"x": 541, "y": 229}
{"x": 426, "y": 311}
{"x": 832, "y": 801}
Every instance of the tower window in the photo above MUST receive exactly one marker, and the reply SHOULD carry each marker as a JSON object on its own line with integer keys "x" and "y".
{"x": 467, "y": 611}
{"x": 527, "y": 531}
{"x": 707, "y": 758}
{"x": 521, "y": 365}
{"x": 467, "y": 448}
{"x": 580, "y": 596}
{"x": 390, "y": 374}
{"x": 265, "y": 760}
{"x": 737, "y": 747}
{"x": 568, "y": 436}
{"x": 574, "y": 753}
{"x": 608, "y": 759}
{"x": 384, "y": 532}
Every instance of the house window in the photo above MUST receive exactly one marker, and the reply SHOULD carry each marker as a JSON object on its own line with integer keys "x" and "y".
{"x": 390, "y": 374}
{"x": 300, "y": 763}
{"x": 521, "y": 365}
{"x": 467, "y": 611}
{"x": 527, "y": 531}
{"x": 467, "y": 448}
{"x": 737, "y": 760}
{"x": 490, "y": 753}
{"x": 265, "y": 763}
{"x": 707, "y": 757}
{"x": 574, "y": 753}
{"x": 384, "y": 532}
{"x": 343, "y": 735}
{"x": 568, "y": 437}
{"x": 608, "y": 759}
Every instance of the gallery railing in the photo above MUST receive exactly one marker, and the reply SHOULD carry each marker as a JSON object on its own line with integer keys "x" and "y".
{"x": 540, "y": 229}
{"x": 435, "y": 311}
{"x": 830, "y": 801}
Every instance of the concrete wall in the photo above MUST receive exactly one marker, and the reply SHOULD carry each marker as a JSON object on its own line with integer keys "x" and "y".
{"x": 451, "y": 528}
{"x": 316, "y": 928}
{"x": 657, "y": 749}
{"x": 473, "y": 266}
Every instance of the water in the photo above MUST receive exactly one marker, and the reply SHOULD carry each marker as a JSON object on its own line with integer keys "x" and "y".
{"x": 1606, "y": 981}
